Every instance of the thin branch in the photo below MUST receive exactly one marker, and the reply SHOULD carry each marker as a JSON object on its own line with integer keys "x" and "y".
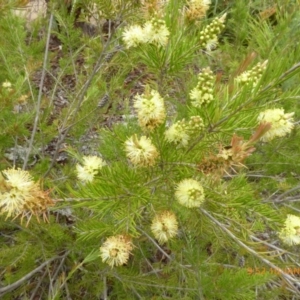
{"x": 251, "y": 176}
{"x": 64, "y": 130}
{"x": 67, "y": 291}
{"x": 104, "y": 294}
{"x": 155, "y": 244}
{"x": 61, "y": 265}
{"x": 269, "y": 245}
{"x": 287, "y": 199}
{"x": 281, "y": 197}
{"x": 39, "y": 99}
{"x": 19, "y": 282}
{"x": 33, "y": 294}
{"x": 291, "y": 281}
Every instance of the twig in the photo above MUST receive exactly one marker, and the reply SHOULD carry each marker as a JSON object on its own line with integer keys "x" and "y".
{"x": 155, "y": 244}
{"x": 67, "y": 291}
{"x": 32, "y": 297}
{"x": 90, "y": 199}
{"x": 293, "y": 208}
{"x": 280, "y": 198}
{"x": 16, "y": 284}
{"x": 251, "y": 176}
{"x": 269, "y": 245}
{"x": 104, "y": 295}
{"x": 55, "y": 275}
{"x": 64, "y": 130}
{"x": 287, "y": 199}
{"x": 39, "y": 99}
{"x": 289, "y": 279}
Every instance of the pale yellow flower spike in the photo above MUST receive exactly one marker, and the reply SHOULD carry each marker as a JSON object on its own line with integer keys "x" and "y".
{"x": 281, "y": 123}
{"x": 19, "y": 179}
{"x": 252, "y": 76}
{"x": 164, "y": 226}
{"x": 290, "y": 233}
{"x": 141, "y": 152}
{"x": 203, "y": 93}
{"x": 116, "y": 250}
{"x": 178, "y": 133}
{"x": 150, "y": 109}
{"x": 189, "y": 193}
{"x": 91, "y": 166}
{"x": 209, "y": 35}
{"x": 156, "y": 32}
{"x": 19, "y": 186}
{"x": 21, "y": 196}
{"x": 6, "y": 84}
{"x": 133, "y": 36}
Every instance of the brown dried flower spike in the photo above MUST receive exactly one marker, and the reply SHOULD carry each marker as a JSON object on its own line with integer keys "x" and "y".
{"x": 230, "y": 157}
{"x": 197, "y": 9}
{"x": 153, "y": 7}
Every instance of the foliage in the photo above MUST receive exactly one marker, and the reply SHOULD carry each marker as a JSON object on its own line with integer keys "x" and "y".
{"x": 69, "y": 86}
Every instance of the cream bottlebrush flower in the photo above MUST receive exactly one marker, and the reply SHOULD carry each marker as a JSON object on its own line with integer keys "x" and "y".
{"x": 290, "y": 233}
{"x": 20, "y": 195}
{"x": 209, "y": 35}
{"x": 6, "y": 84}
{"x": 203, "y": 92}
{"x": 115, "y": 250}
{"x": 141, "y": 152}
{"x": 281, "y": 123}
{"x": 212, "y": 44}
{"x": 156, "y": 32}
{"x": 253, "y": 75}
{"x": 189, "y": 193}
{"x": 19, "y": 179}
{"x": 178, "y": 133}
{"x": 150, "y": 109}
{"x": 91, "y": 166}
{"x": 164, "y": 226}
{"x": 133, "y": 36}
{"x": 195, "y": 124}
{"x": 197, "y": 9}
{"x": 17, "y": 187}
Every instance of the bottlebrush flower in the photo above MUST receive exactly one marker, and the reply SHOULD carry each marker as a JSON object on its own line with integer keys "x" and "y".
{"x": 91, "y": 166}
{"x": 290, "y": 233}
{"x": 195, "y": 124}
{"x": 209, "y": 35}
{"x": 156, "y": 32}
{"x": 281, "y": 123}
{"x": 133, "y": 36}
{"x": 203, "y": 92}
{"x": 21, "y": 196}
{"x": 6, "y": 85}
{"x": 19, "y": 179}
{"x": 164, "y": 226}
{"x": 178, "y": 133}
{"x": 141, "y": 152}
{"x": 150, "y": 109}
{"x": 189, "y": 193}
{"x": 116, "y": 250}
{"x": 252, "y": 76}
